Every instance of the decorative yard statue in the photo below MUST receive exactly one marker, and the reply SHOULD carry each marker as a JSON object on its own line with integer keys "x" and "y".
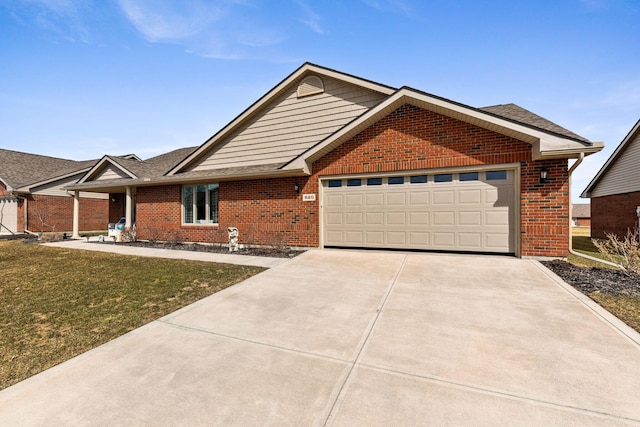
{"x": 233, "y": 239}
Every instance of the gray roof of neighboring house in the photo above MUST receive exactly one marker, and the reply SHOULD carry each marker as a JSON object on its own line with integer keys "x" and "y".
{"x": 519, "y": 114}
{"x": 18, "y": 169}
{"x": 581, "y": 210}
{"x": 155, "y": 166}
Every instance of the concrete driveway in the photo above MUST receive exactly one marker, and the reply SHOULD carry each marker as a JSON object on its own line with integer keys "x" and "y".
{"x": 348, "y": 338}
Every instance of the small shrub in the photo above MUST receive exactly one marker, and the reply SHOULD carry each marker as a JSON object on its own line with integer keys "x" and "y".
{"x": 129, "y": 234}
{"x": 625, "y": 252}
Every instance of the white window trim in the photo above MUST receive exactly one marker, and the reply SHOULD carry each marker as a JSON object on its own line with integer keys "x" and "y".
{"x": 207, "y": 206}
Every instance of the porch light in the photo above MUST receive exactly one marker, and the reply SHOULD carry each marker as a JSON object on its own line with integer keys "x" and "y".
{"x": 296, "y": 187}
{"x": 543, "y": 175}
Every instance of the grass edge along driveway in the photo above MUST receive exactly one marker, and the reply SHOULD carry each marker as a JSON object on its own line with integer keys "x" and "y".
{"x": 58, "y": 303}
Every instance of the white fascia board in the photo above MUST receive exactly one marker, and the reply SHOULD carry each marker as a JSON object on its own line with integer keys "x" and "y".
{"x": 268, "y": 97}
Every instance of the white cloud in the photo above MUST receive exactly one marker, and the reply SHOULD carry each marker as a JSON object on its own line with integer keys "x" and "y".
{"x": 166, "y": 20}
{"x": 223, "y": 29}
{"x": 395, "y": 6}
{"x": 311, "y": 19}
{"x": 62, "y": 18}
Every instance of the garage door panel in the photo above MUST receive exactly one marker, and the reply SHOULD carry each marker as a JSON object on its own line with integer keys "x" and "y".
{"x": 497, "y": 217}
{"x": 8, "y": 216}
{"x": 334, "y": 200}
{"x": 396, "y": 218}
{"x": 443, "y": 197}
{"x": 419, "y": 198}
{"x": 354, "y": 218}
{"x": 444, "y": 218}
{"x": 374, "y": 238}
{"x": 419, "y": 239}
{"x": 458, "y": 215}
{"x": 374, "y": 218}
{"x": 470, "y": 218}
{"x": 444, "y": 240}
{"x": 471, "y": 196}
{"x": 396, "y": 199}
{"x": 355, "y": 237}
{"x": 496, "y": 240}
{"x": 334, "y": 218}
{"x": 470, "y": 241}
{"x": 396, "y": 238}
{"x": 418, "y": 218}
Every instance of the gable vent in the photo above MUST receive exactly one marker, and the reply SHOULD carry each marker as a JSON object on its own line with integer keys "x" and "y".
{"x": 310, "y": 86}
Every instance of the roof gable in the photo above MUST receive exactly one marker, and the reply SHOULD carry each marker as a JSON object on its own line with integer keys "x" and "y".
{"x": 306, "y": 107}
{"x": 620, "y": 173}
{"x": 545, "y": 144}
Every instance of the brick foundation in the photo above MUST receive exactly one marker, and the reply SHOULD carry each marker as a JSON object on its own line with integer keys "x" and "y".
{"x": 270, "y": 212}
{"x": 614, "y": 214}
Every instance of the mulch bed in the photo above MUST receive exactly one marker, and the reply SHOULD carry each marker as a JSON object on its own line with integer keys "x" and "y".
{"x": 592, "y": 279}
{"x": 267, "y": 251}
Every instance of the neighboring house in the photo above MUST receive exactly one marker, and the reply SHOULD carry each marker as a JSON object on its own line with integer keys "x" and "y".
{"x": 615, "y": 190}
{"x": 32, "y": 198}
{"x": 581, "y": 215}
{"x": 327, "y": 159}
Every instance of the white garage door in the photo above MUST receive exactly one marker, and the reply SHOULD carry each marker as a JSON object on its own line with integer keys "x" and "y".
{"x": 463, "y": 211}
{"x": 8, "y": 216}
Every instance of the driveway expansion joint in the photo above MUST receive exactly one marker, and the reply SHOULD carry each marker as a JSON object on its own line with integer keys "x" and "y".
{"x": 250, "y": 341}
{"x": 367, "y": 338}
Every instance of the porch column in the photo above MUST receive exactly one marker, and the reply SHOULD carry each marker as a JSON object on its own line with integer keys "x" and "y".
{"x": 128, "y": 209}
{"x": 76, "y": 215}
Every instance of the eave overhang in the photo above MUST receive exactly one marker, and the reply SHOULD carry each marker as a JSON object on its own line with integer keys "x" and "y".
{"x": 545, "y": 144}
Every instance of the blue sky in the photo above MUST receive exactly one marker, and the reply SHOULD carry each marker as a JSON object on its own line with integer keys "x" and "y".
{"x": 83, "y": 78}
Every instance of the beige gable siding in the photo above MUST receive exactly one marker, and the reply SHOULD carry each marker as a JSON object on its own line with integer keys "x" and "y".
{"x": 623, "y": 175}
{"x": 291, "y": 125}
{"x": 110, "y": 172}
{"x": 56, "y": 189}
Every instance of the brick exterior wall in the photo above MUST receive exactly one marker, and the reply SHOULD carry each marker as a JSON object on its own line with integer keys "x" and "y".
{"x": 270, "y": 212}
{"x": 57, "y": 213}
{"x": 116, "y": 207}
{"x": 583, "y": 222}
{"x": 614, "y": 214}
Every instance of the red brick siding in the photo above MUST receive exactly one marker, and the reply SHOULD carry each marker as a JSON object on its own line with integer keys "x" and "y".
{"x": 583, "y": 222}
{"x": 413, "y": 138}
{"x": 614, "y": 214}
{"x": 57, "y": 213}
{"x": 267, "y": 211}
{"x": 116, "y": 207}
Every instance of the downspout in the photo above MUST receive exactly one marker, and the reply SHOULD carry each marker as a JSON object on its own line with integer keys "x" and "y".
{"x": 571, "y": 251}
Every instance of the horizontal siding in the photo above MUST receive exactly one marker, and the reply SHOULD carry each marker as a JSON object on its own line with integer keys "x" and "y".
{"x": 56, "y": 189}
{"x": 111, "y": 172}
{"x": 623, "y": 175}
{"x": 291, "y": 125}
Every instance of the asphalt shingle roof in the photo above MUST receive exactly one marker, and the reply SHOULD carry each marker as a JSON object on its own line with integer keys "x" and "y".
{"x": 18, "y": 169}
{"x": 519, "y": 114}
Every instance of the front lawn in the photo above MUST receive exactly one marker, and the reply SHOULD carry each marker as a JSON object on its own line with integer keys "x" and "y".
{"x": 57, "y": 303}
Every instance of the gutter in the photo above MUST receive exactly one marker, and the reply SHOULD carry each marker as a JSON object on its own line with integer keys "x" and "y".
{"x": 571, "y": 251}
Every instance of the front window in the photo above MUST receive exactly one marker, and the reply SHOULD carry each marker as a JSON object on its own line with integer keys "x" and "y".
{"x": 200, "y": 204}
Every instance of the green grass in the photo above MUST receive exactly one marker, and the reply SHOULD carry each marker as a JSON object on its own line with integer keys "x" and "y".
{"x": 58, "y": 303}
